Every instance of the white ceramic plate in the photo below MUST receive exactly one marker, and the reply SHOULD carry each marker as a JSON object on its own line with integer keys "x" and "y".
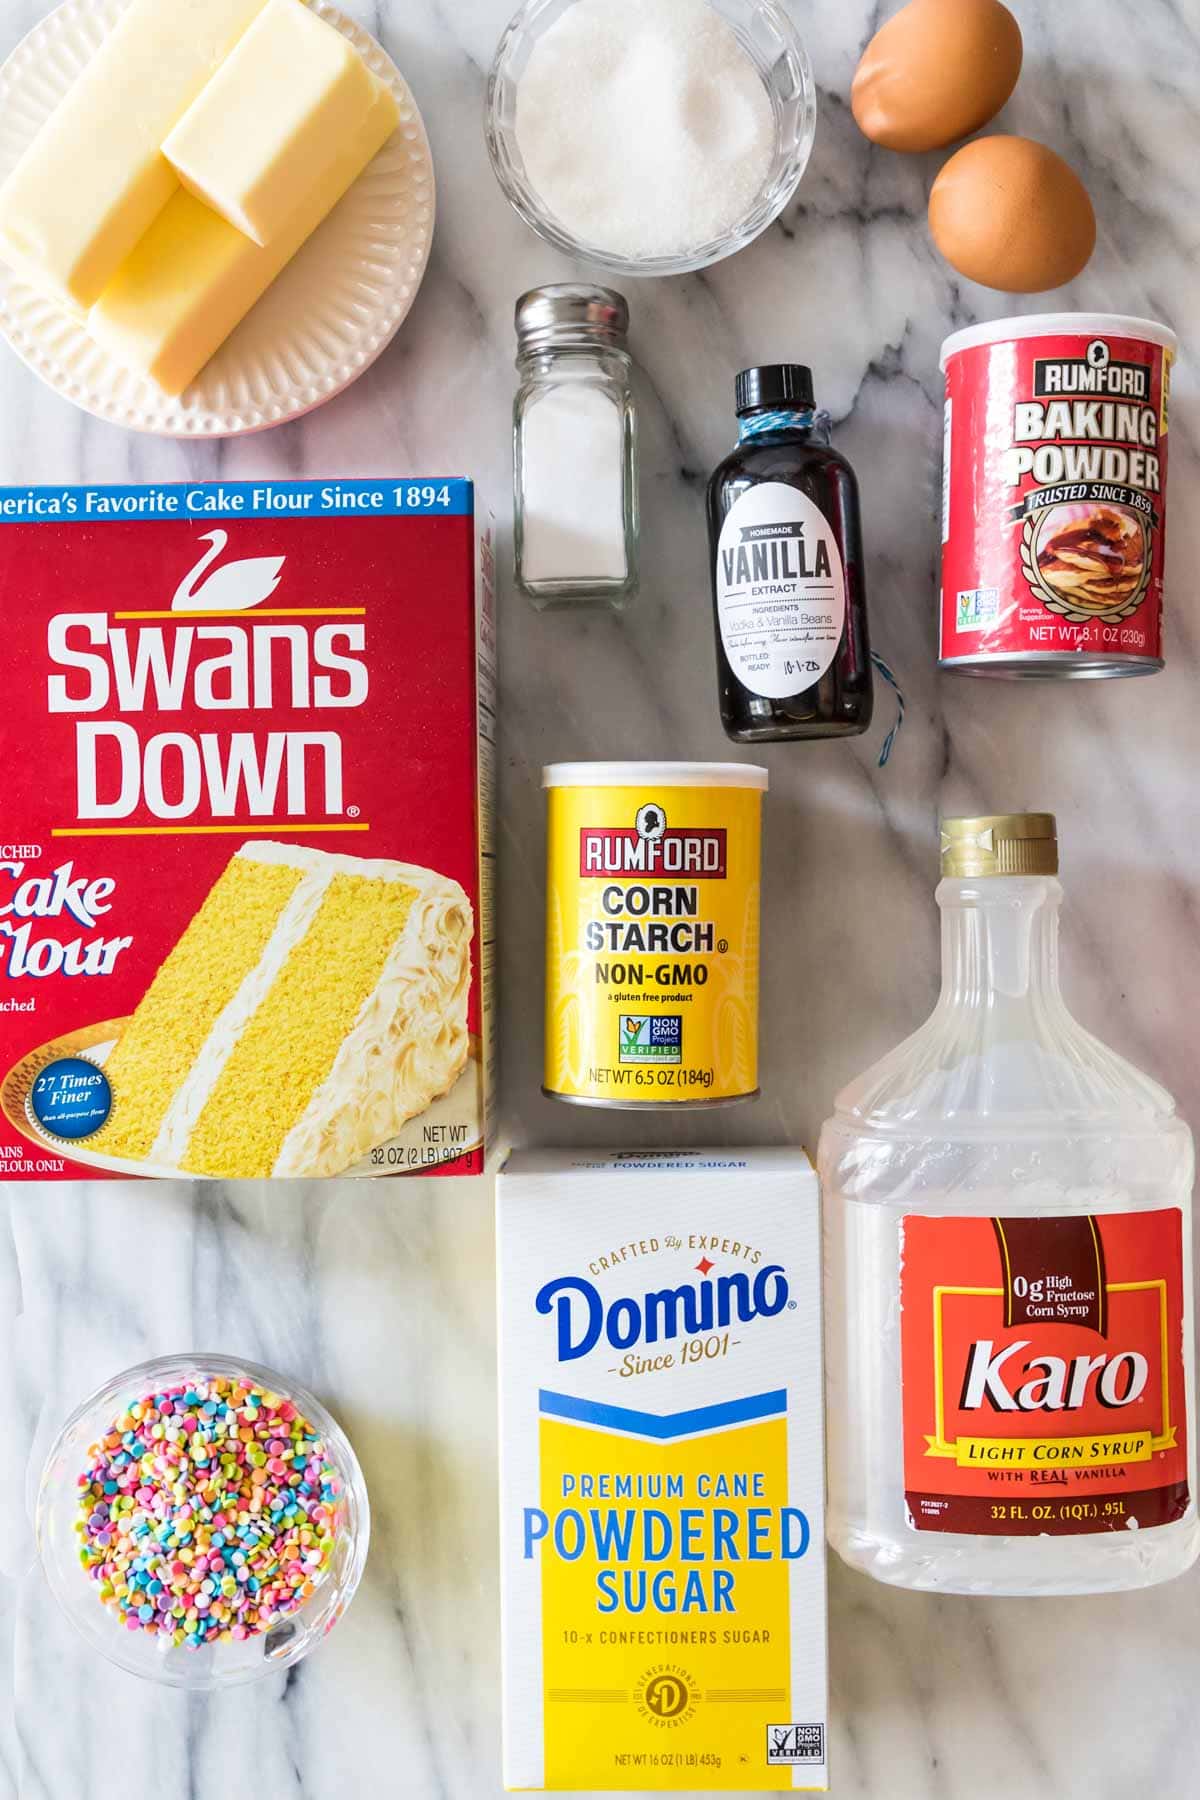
{"x": 338, "y": 303}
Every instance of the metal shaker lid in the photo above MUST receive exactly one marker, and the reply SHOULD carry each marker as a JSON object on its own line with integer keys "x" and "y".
{"x": 571, "y": 312}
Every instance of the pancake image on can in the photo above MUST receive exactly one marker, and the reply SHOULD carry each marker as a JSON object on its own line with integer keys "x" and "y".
{"x": 1054, "y": 496}
{"x": 653, "y": 884}
{"x": 1089, "y": 560}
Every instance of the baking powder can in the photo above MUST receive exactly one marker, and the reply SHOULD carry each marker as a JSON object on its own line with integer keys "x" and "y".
{"x": 1054, "y": 496}
{"x": 652, "y": 909}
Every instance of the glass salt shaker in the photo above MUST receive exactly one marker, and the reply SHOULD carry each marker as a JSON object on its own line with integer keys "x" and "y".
{"x": 574, "y": 448}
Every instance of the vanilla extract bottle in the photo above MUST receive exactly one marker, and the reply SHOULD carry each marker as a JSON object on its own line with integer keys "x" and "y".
{"x": 1008, "y": 1260}
{"x": 789, "y": 595}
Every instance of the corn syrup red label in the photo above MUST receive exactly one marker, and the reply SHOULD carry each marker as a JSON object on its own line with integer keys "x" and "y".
{"x": 1054, "y": 495}
{"x": 1043, "y": 1373}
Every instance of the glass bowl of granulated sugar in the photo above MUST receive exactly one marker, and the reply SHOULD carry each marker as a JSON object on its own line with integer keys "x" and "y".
{"x": 650, "y": 137}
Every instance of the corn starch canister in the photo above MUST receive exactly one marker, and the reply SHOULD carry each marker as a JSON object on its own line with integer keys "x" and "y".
{"x": 652, "y": 903}
{"x": 1054, "y": 497}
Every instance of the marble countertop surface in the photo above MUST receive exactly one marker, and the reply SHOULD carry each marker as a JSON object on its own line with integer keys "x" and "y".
{"x": 379, "y": 1296}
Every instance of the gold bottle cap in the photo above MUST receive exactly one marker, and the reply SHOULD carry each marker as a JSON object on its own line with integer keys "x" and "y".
{"x": 1000, "y": 844}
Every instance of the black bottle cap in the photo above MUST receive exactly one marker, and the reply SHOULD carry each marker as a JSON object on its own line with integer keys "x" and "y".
{"x": 774, "y": 385}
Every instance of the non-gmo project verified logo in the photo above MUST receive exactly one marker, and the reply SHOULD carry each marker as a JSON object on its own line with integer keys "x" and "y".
{"x": 788, "y": 1745}
{"x": 654, "y": 1038}
{"x": 978, "y": 608}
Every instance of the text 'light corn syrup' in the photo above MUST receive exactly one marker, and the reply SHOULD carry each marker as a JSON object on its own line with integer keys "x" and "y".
{"x": 652, "y": 924}
{"x": 662, "y": 1471}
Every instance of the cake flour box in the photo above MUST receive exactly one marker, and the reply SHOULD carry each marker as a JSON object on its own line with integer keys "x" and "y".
{"x": 662, "y": 1472}
{"x": 244, "y": 862}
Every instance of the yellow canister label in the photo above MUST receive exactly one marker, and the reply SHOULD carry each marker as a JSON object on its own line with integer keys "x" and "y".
{"x": 652, "y": 943}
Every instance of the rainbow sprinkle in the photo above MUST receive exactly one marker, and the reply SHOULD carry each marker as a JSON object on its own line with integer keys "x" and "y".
{"x": 208, "y": 1512}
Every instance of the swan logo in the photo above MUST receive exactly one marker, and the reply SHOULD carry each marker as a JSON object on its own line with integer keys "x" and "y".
{"x": 234, "y": 587}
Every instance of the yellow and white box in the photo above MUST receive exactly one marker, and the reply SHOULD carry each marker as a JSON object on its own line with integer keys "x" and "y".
{"x": 662, "y": 1470}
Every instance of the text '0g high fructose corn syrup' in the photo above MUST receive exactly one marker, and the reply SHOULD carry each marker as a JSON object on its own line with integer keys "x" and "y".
{"x": 653, "y": 880}
{"x": 1008, "y": 1229}
{"x": 662, "y": 1476}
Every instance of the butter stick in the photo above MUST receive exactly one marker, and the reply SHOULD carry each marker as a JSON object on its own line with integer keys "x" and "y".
{"x": 94, "y": 179}
{"x": 271, "y": 119}
{"x": 193, "y": 277}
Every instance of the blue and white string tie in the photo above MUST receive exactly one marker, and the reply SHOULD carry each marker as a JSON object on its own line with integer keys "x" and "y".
{"x": 787, "y": 419}
{"x": 890, "y": 740}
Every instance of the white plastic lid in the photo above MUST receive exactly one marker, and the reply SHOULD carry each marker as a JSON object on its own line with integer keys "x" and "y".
{"x": 1059, "y": 324}
{"x": 654, "y": 774}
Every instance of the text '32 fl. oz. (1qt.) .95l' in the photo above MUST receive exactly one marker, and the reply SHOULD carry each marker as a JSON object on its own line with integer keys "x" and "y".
{"x": 1008, "y": 1228}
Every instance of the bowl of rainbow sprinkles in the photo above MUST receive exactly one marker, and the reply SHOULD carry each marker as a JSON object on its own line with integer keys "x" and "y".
{"x": 202, "y": 1521}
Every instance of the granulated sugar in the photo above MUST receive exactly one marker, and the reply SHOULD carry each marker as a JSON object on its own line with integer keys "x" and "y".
{"x": 644, "y": 126}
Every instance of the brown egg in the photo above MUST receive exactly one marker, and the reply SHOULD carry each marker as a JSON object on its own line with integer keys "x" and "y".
{"x": 936, "y": 72}
{"x": 1011, "y": 214}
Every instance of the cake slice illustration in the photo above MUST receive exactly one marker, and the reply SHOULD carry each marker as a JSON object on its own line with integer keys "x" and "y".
{"x": 313, "y": 1004}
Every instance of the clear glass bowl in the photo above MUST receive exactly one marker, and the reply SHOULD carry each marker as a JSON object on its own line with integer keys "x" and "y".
{"x": 223, "y": 1664}
{"x": 767, "y": 35}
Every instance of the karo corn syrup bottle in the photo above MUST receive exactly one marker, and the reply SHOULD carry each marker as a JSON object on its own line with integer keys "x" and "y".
{"x": 1008, "y": 1249}
{"x": 789, "y": 594}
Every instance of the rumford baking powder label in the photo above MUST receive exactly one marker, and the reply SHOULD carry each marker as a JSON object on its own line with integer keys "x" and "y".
{"x": 652, "y": 941}
{"x": 661, "y": 1471}
{"x": 1043, "y": 1373}
{"x": 208, "y": 684}
{"x": 1054, "y": 495}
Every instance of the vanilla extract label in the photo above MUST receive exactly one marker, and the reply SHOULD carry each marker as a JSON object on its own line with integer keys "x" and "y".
{"x": 781, "y": 590}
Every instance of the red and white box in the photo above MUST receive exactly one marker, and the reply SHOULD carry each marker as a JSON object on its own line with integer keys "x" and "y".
{"x": 245, "y": 854}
